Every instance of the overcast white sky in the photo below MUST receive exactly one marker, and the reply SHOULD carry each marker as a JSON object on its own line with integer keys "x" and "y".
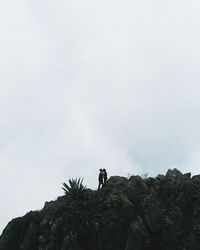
{"x": 95, "y": 84}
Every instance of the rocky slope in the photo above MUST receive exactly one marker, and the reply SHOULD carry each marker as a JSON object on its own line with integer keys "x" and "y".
{"x": 159, "y": 213}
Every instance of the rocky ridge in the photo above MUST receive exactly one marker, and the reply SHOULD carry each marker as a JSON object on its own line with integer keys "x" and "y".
{"x": 161, "y": 213}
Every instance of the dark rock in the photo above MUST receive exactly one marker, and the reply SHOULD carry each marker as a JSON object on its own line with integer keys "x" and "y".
{"x": 126, "y": 214}
{"x": 152, "y": 212}
{"x": 160, "y": 177}
{"x": 187, "y": 175}
{"x": 196, "y": 179}
{"x": 138, "y": 237}
{"x": 137, "y": 189}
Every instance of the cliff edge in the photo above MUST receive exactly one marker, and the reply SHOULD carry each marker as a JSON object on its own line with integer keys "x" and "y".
{"x": 161, "y": 213}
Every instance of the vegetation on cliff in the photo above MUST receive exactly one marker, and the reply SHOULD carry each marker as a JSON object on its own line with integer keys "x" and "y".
{"x": 75, "y": 187}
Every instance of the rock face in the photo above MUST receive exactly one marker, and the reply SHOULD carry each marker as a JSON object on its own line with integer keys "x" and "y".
{"x": 161, "y": 213}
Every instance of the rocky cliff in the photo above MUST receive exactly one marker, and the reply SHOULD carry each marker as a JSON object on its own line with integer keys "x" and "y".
{"x": 161, "y": 213}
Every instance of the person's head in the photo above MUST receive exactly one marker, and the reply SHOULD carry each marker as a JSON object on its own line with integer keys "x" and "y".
{"x": 104, "y": 170}
{"x": 100, "y": 170}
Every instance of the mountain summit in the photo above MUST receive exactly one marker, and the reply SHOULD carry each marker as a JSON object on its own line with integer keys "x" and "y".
{"x": 161, "y": 213}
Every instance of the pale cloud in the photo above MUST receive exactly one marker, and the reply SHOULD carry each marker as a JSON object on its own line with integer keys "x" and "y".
{"x": 95, "y": 84}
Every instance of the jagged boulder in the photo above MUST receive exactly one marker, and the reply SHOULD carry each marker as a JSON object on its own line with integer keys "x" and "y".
{"x": 152, "y": 213}
{"x": 137, "y": 189}
{"x": 21, "y": 233}
{"x": 138, "y": 237}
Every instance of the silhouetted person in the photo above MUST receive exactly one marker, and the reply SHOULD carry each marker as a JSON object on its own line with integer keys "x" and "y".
{"x": 100, "y": 178}
{"x": 105, "y": 176}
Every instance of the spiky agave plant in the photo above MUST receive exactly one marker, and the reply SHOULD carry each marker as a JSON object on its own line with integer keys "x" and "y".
{"x": 75, "y": 187}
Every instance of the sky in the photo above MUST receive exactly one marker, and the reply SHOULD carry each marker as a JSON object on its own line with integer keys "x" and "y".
{"x": 95, "y": 84}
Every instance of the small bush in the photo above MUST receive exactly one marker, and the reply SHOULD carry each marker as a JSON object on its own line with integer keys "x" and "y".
{"x": 145, "y": 176}
{"x": 128, "y": 176}
{"x": 75, "y": 187}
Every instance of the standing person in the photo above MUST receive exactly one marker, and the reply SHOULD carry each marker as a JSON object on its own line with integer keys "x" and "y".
{"x": 105, "y": 176}
{"x": 100, "y": 178}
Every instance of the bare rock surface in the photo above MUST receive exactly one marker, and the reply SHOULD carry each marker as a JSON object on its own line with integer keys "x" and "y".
{"x": 161, "y": 213}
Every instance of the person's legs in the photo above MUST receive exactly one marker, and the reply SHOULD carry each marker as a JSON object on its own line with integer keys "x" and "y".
{"x": 100, "y": 184}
